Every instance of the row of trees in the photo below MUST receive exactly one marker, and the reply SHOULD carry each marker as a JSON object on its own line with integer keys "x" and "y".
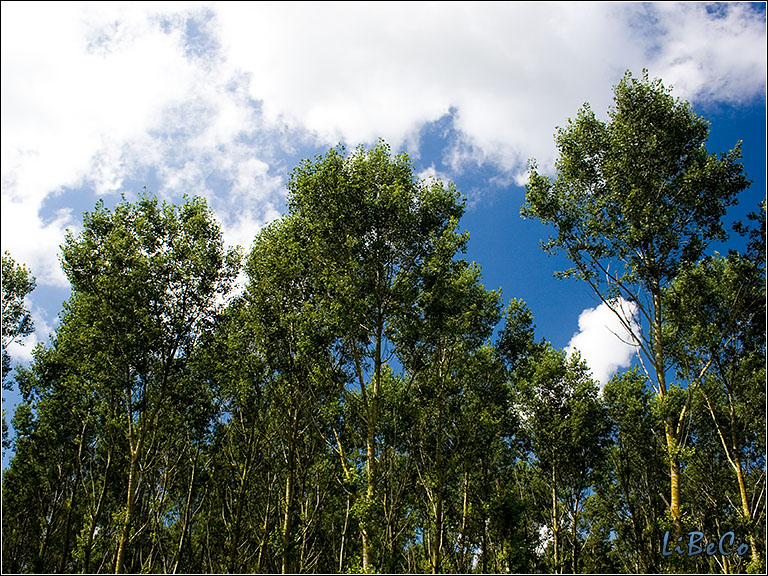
{"x": 365, "y": 404}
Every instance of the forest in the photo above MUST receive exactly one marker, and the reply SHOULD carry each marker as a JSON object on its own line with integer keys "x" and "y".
{"x": 346, "y": 396}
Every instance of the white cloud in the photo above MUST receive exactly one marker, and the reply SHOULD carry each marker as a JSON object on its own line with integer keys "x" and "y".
{"x": 432, "y": 174}
{"x": 207, "y": 97}
{"x": 68, "y": 108}
{"x": 357, "y": 72}
{"x": 603, "y": 341}
{"x": 711, "y": 52}
{"x": 512, "y": 71}
{"x": 94, "y": 94}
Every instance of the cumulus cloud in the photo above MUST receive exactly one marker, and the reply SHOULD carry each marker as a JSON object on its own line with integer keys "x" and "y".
{"x": 511, "y": 71}
{"x": 709, "y": 52}
{"x": 362, "y": 71}
{"x": 72, "y": 96}
{"x": 210, "y": 98}
{"x": 94, "y": 95}
{"x": 603, "y": 340}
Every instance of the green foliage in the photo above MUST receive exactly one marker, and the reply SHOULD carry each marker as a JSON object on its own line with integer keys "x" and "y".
{"x": 365, "y": 404}
{"x": 17, "y": 322}
{"x": 639, "y": 192}
{"x": 565, "y": 431}
{"x": 716, "y": 318}
{"x": 117, "y": 415}
{"x": 636, "y": 204}
{"x": 628, "y": 504}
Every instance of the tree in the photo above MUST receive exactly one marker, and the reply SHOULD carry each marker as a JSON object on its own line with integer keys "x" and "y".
{"x": 716, "y": 316}
{"x": 566, "y": 428}
{"x": 295, "y": 333}
{"x": 636, "y": 200}
{"x": 239, "y": 510}
{"x": 440, "y": 341}
{"x": 628, "y": 506}
{"x": 17, "y": 282}
{"x": 17, "y": 322}
{"x": 371, "y": 225}
{"x": 59, "y": 440}
{"x": 149, "y": 278}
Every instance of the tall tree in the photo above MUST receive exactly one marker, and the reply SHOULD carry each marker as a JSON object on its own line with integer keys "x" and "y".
{"x": 439, "y": 341}
{"x": 717, "y": 317}
{"x": 41, "y": 489}
{"x": 628, "y": 505}
{"x": 240, "y": 510}
{"x": 636, "y": 200}
{"x": 371, "y": 224}
{"x": 566, "y": 426}
{"x": 149, "y": 277}
{"x": 296, "y": 333}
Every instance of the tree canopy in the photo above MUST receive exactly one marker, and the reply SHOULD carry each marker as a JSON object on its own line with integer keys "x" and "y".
{"x": 363, "y": 403}
{"x": 636, "y": 201}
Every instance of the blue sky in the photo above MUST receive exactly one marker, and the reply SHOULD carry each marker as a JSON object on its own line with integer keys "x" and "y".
{"x": 224, "y": 99}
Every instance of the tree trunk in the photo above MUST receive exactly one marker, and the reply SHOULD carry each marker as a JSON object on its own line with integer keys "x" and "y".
{"x": 670, "y": 430}
{"x": 289, "y": 494}
{"x": 68, "y": 523}
{"x": 574, "y": 535}
{"x": 437, "y": 549}
{"x": 95, "y": 517}
{"x": 555, "y": 525}
{"x": 235, "y": 535}
{"x": 343, "y": 538}
{"x": 370, "y": 449}
{"x": 732, "y": 453}
{"x": 370, "y": 443}
{"x": 126, "y": 529}
{"x": 464, "y": 510}
{"x": 186, "y": 516}
{"x": 674, "y": 476}
{"x": 748, "y": 516}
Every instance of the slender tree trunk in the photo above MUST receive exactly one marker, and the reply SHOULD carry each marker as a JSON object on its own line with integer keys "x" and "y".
{"x": 464, "y": 509}
{"x": 555, "y": 524}
{"x": 129, "y": 501}
{"x": 265, "y": 526}
{"x": 674, "y": 475}
{"x": 736, "y": 463}
{"x": 185, "y": 517}
{"x": 484, "y": 556}
{"x": 747, "y": 516}
{"x": 68, "y": 523}
{"x": 438, "y": 546}
{"x": 437, "y": 549}
{"x": 289, "y": 495}
{"x": 670, "y": 429}
{"x": 134, "y": 480}
{"x": 574, "y": 543}
{"x": 370, "y": 443}
{"x": 721, "y": 559}
{"x": 370, "y": 449}
{"x": 235, "y": 537}
{"x": 343, "y": 538}
{"x": 732, "y": 453}
{"x": 95, "y": 517}
{"x": 50, "y": 523}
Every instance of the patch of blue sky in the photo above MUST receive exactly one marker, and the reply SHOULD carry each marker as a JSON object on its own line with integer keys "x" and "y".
{"x": 729, "y": 124}
{"x": 504, "y": 245}
{"x": 200, "y": 40}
